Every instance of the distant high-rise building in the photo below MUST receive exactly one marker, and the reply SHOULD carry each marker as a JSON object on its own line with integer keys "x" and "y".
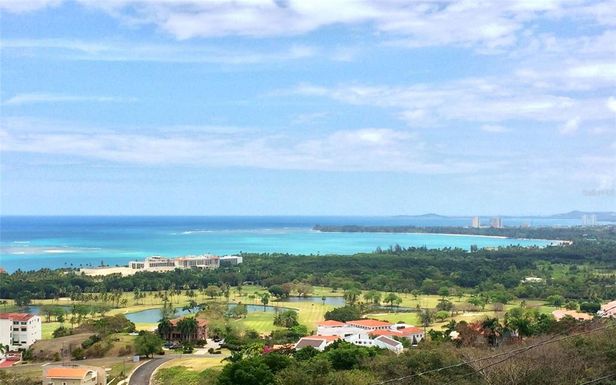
{"x": 589, "y": 219}
{"x": 476, "y": 223}
{"x": 496, "y": 222}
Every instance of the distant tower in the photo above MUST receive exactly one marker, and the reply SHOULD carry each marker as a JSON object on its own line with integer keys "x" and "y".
{"x": 476, "y": 223}
{"x": 589, "y": 219}
{"x": 496, "y": 222}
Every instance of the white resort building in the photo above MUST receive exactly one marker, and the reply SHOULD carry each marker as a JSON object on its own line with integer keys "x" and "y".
{"x": 364, "y": 332}
{"x": 19, "y": 330}
{"x": 158, "y": 263}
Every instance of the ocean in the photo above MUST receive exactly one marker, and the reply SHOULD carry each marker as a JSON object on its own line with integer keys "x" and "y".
{"x": 30, "y": 243}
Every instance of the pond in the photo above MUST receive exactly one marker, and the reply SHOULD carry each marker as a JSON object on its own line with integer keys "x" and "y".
{"x": 336, "y": 301}
{"x": 36, "y": 309}
{"x": 154, "y": 315}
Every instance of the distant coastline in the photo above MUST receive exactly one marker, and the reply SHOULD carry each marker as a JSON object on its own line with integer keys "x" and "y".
{"x": 560, "y": 236}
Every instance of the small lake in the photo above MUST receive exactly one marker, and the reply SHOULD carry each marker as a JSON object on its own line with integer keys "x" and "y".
{"x": 37, "y": 309}
{"x": 336, "y": 301}
{"x": 154, "y": 315}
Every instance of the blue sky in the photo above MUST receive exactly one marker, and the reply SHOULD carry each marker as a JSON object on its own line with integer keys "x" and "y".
{"x": 307, "y": 107}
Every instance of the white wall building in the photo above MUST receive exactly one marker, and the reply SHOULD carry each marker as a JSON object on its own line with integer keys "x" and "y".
{"x": 158, "y": 263}
{"x": 364, "y": 332}
{"x": 475, "y": 223}
{"x": 19, "y": 330}
{"x": 231, "y": 260}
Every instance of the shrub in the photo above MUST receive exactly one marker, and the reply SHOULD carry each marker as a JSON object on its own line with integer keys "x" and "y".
{"x": 61, "y": 332}
{"x": 78, "y": 354}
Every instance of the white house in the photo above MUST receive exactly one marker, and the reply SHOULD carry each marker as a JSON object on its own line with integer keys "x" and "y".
{"x": 19, "y": 330}
{"x": 335, "y": 328}
{"x": 385, "y": 342}
{"x": 363, "y": 332}
{"x": 317, "y": 342}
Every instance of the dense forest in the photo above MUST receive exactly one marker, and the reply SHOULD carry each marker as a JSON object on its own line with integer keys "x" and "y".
{"x": 582, "y": 270}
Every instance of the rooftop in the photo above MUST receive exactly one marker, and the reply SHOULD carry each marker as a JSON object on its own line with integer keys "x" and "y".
{"x": 200, "y": 322}
{"x": 67, "y": 372}
{"x": 17, "y": 316}
{"x": 308, "y": 341}
{"x": 369, "y": 323}
{"x": 388, "y": 341}
{"x": 331, "y": 323}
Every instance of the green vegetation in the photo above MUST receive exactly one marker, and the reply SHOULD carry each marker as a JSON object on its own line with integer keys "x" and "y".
{"x": 552, "y": 233}
{"x": 148, "y": 343}
{"x": 545, "y": 357}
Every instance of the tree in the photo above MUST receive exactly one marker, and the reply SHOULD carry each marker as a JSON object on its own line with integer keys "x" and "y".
{"x": 441, "y": 315}
{"x": 343, "y": 314}
{"x": 278, "y": 291}
{"x": 303, "y": 289}
{"x": 251, "y": 371}
{"x": 556, "y": 300}
{"x": 265, "y": 299}
{"x": 373, "y": 296}
{"x": 148, "y": 343}
{"x": 427, "y": 317}
{"x": 392, "y": 299}
{"x": 286, "y": 319}
{"x": 212, "y": 291}
{"x": 164, "y": 328}
{"x": 590, "y": 307}
{"x": 492, "y": 330}
{"x": 188, "y": 327}
{"x": 444, "y": 304}
{"x": 443, "y": 291}
{"x": 351, "y": 296}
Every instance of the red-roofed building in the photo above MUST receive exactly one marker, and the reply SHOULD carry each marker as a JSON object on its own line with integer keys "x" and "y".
{"x": 19, "y": 330}
{"x": 317, "y": 342}
{"x": 74, "y": 375}
{"x": 331, "y": 324}
{"x": 370, "y": 324}
{"x": 175, "y": 333}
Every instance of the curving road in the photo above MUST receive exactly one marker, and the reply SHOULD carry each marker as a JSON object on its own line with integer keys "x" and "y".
{"x": 143, "y": 374}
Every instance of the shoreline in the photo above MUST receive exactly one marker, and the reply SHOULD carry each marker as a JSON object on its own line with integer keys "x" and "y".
{"x": 557, "y": 241}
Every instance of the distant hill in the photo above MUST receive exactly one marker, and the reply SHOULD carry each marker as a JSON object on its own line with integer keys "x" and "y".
{"x": 603, "y": 216}
{"x": 428, "y": 215}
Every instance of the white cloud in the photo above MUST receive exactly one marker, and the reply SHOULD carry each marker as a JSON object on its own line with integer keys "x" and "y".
{"x": 571, "y": 126}
{"x": 21, "y": 6}
{"x": 494, "y": 129}
{"x": 611, "y": 103}
{"x": 484, "y": 24}
{"x": 489, "y": 100}
{"x": 144, "y": 52}
{"x": 367, "y": 149}
{"x": 42, "y": 97}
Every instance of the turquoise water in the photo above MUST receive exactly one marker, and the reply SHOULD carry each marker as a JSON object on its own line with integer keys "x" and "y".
{"x": 29, "y": 243}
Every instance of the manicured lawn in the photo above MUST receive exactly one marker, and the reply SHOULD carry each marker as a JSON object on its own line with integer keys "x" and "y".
{"x": 196, "y": 363}
{"x": 262, "y": 322}
{"x": 310, "y": 313}
{"x": 409, "y": 318}
{"x": 48, "y": 327}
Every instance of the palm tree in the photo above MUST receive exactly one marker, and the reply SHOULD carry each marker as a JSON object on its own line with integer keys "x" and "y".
{"x": 188, "y": 327}
{"x": 164, "y": 328}
{"x": 492, "y": 330}
{"x": 265, "y": 299}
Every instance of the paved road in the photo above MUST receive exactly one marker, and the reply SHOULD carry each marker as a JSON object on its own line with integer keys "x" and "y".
{"x": 141, "y": 376}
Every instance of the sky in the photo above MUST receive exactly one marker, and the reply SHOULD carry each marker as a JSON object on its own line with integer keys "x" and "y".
{"x": 321, "y": 107}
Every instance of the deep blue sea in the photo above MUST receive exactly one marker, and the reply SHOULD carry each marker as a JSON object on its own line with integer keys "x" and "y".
{"x": 29, "y": 243}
